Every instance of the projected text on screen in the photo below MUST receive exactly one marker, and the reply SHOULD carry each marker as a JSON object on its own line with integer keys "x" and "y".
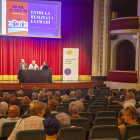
{"x": 30, "y": 19}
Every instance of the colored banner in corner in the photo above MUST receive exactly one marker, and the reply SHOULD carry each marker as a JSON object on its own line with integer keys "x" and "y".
{"x": 70, "y": 63}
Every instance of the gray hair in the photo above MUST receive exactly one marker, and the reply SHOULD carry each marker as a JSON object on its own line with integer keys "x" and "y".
{"x": 34, "y": 97}
{"x": 65, "y": 98}
{"x": 6, "y": 94}
{"x": 64, "y": 120}
{"x": 73, "y": 107}
{"x": 3, "y": 107}
{"x": 130, "y": 94}
{"x": 72, "y": 94}
{"x": 34, "y": 89}
{"x": 78, "y": 93}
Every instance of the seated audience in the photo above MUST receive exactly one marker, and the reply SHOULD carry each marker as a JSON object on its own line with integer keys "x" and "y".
{"x": 6, "y": 99}
{"x": 51, "y": 127}
{"x": 5, "y": 94}
{"x": 14, "y": 112}
{"x": 86, "y": 97}
{"x": 41, "y": 96}
{"x": 61, "y": 90}
{"x": 114, "y": 94}
{"x": 57, "y": 95}
{"x": 14, "y": 101}
{"x": 35, "y": 97}
{"x": 45, "y": 90}
{"x": 74, "y": 109}
{"x": 47, "y": 112}
{"x": 90, "y": 93}
{"x": 67, "y": 92}
{"x": 72, "y": 89}
{"x": 20, "y": 95}
{"x": 34, "y": 91}
{"x": 78, "y": 93}
{"x": 65, "y": 99}
{"x": 53, "y": 105}
{"x": 129, "y": 98}
{"x": 129, "y": 116}
{"x": 29, "y": 94}
{"x": 35, "y": 121}
{"x": 48, "y": 93}
{"x": 26, "y": 100}
{"x": 133, "y": 90}
{"x": 81, "y": 106}
{"x": 3, "y": 108}
{"x": 64, "y": 120}
{"x": 51, "y": 97}
{"x": 72, "y": 95}
{"x": 124, "y": 93}
{"x": 11, "y": 95}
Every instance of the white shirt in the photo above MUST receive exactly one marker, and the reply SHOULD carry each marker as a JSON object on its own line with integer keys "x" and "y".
{"x": 30, "y": 123}
{"x": 129, "y": 101}
{"x": 33, "y": 67}
{"x": 4, "y": 120}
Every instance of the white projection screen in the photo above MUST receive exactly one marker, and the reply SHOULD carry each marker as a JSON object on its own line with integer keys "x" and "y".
{"x": 32, "y": 18}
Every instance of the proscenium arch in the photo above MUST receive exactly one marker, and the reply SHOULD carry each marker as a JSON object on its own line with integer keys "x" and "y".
{"x": 116, "y": 46}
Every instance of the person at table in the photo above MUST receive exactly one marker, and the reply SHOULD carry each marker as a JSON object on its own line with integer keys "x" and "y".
{"x": 44, "y": 64}
{"x": 33, "y": 66}
{"x": 23, "y": 65}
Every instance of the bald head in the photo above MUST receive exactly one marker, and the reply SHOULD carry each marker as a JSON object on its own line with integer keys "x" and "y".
{"x": 33, "y": 62}
{"x": 129, "y": 95}
{"x": 14, "y": 111}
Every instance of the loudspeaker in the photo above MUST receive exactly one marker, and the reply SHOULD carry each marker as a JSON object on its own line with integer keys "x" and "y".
{"x": 117, "y": 5}
{"x": 113, "y": 37}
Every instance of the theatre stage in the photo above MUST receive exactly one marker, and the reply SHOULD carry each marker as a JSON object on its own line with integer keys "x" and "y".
{"x": 14, "y": 85}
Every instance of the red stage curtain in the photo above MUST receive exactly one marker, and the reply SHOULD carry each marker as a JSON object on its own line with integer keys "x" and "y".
{"x": 76, "y": 32}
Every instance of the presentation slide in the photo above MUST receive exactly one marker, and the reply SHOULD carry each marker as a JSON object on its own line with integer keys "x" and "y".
{"x": 31, "y": 19}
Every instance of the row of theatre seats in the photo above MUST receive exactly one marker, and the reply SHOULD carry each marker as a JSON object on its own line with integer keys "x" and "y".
{"x": 99, "y": 121}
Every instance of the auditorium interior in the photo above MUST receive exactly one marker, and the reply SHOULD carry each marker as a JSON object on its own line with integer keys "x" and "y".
{"x": 107, "y": 90}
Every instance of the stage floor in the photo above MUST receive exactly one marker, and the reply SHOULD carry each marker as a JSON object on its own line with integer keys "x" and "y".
{"x": 15, "y": 85}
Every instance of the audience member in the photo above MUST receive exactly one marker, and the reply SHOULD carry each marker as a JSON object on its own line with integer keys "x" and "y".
{"x": 67, "y": 92}
{"x": 65, "y": 99}
{"x": 48, "y": 93}
{"x": 45, "y": 90}
{"x": 34, "y": 91}
{"x": 29, "y": 94}
{"x": 5, "y": 94}
{"x": 3, "y": 108}
{"x": 14, "y": 112}
{"x": 129, "y": 98}
{"x": 35, "y": 97}
{"x": 47, "y": 112}
{"x": 86, "y": 97}
{"x": 114, "y": 94}
{"x": 26, "y": 100}
{"x": 51, "y": 97}
{"x": 11, "y": 95}
{"x": 90, "y": 93}
{"x": 6, "y": 99}
{"x": 64, "y": 120}
{"x": 35, "y": 121}
{"x": 129, "y": 116}
{"x": 81, "y": 106}
{"x": 72, "y": 89}
{"x": 53, "y": 105}
{"x": 51, "y": 127}
{"x": 41, "y": 96}
{"x": 74, "y": 109}
{"x": 133, "y": 90}
{"x": 20, "y": 95}
{"x": 124, "y": 93}
{"x": 57, "y": 95}
{"x": 78, "y": 93}
{"x": 61, "y": 90}
{"x": 72, "y": 95}
{"x": 14, "y": 101}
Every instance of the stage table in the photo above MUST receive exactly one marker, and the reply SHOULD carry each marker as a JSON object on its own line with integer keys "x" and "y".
{"x": 35, "y": 76}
